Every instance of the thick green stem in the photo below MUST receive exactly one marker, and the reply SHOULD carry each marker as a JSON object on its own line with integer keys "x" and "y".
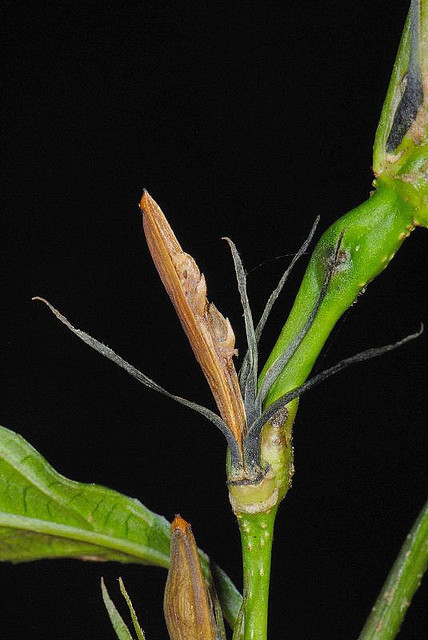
{"x": 372, "y": 233}
{"x": 403, "y": 580}
{"x": 256, "y": 536}
{"x": 256, "y": 524}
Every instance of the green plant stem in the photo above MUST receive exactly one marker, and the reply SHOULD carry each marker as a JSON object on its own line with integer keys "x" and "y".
{"x": 256, "y": 537}
{"x": 373, "y": 232}
{"x": 404, "y": 578}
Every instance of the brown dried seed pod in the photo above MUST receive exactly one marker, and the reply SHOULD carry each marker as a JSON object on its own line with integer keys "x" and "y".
{"x": 187, "y": 605}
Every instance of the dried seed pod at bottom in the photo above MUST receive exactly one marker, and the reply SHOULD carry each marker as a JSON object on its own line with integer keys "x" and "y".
{"x": 187, "y": 604}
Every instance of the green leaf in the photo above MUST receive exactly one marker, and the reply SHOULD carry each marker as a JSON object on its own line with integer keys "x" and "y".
{"x": 119, "y": 626}
{"x": 138, "y": 629}
{"x": 44, "y": 515}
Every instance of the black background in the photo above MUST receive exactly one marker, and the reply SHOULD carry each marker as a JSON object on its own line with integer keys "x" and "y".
{"x": 241, "y": 119}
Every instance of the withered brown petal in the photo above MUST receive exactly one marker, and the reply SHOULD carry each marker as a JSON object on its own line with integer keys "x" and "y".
{"x": 210, "y": 334}
{"x": 187, "y": 606}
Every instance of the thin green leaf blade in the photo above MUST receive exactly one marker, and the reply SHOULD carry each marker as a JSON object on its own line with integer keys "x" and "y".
{"x": 138, "y": 629}
{"x": 116, "y": 619}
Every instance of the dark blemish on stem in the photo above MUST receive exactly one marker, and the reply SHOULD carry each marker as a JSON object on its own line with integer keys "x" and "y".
{"x": 280, "y": 417}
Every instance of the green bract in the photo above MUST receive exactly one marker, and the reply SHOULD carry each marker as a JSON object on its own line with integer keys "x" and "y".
{"x": 116, "y": 619}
